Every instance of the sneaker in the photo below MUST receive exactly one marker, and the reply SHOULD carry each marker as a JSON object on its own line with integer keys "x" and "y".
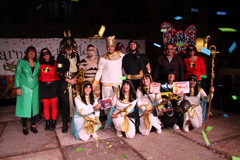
{"x": 159, "y": 131}
{"x": 119, "y": 133}
{"x": 175, "y": 127}
{"x": 186, "y": 128}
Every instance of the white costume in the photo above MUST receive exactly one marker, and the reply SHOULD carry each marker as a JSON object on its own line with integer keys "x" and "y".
{"x": 110, "y": 69}
{"x": 123, "y": 123}
{"x": 195, "y": 112}
{"x": 79, "y": 121}
{"x": 149, "y": 120}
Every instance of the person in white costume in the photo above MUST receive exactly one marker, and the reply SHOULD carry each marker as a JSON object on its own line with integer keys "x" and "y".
{"x": 145, "y": 101}
{"x": 194, "y": 114}
{"x": 85, "y": 113}
{"x": 110, "y": 70}
{"x": 126, "y": 112}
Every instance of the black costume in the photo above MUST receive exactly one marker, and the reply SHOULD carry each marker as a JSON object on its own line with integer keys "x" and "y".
{"x": 67, "y": 67}
{"x": 134, "y": 63}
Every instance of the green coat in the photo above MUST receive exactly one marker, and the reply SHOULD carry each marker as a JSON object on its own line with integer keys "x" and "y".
{"x": 28, "y": 82}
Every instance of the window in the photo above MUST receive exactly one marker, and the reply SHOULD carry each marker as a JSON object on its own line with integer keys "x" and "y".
{"x": 60, "y": 12}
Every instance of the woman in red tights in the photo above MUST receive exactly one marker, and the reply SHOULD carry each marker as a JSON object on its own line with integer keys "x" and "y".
{"x": 48, "y": 86}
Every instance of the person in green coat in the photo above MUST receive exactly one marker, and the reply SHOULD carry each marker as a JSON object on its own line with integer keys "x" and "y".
{"x": 26, "y": 84}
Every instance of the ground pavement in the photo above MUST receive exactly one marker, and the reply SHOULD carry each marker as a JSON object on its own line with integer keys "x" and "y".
{"x": 169, "y": 145}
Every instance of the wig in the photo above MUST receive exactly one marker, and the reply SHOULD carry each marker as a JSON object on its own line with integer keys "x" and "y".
{"x": 132, "y": 94}
{"x": 82, "y": 93}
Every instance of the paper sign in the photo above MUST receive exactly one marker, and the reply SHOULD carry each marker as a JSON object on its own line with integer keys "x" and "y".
{"x": 205, "y": 138}
{"x": 105, "y": 103}
{"x": 155, "y": 87}
{"x": 181, "y": 86}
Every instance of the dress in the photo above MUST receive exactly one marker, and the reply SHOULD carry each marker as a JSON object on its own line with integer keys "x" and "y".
{"x": 197, "y": 67}
{"x": 79, "y": 121}
{"x": 124, "y": 123}
{"x": 195, "y": 114}
{"x": 110, "y": 69}
{"x": 149, "y": 120}
{"x": 171, "y": 117}
{"x": 28, "y": 82}
{"x": 133, "y": 66}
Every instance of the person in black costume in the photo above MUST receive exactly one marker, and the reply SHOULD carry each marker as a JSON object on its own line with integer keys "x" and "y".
{"x": 170, "y": 118}
{"x": 134, "y": 62}
{"x": 67, "y": 68}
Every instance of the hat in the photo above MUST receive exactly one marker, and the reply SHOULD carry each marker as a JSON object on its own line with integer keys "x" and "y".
{"x": 110, "y": 40}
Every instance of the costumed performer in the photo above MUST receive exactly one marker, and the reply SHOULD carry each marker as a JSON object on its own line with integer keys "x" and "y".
{"x": 194, "y": 114}
{"x": 85, "y": 114}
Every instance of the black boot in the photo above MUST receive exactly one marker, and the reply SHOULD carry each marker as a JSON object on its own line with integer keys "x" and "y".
{"x": 33, "y": 129}
{"x": 25, "y": 131}
{"x": 47, "y": 128}
{"x": 65, "y": 127}
{"x": 53, "y": 125}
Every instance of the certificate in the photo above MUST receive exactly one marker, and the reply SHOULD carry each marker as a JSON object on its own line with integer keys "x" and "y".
{"x": 181, "y": 86}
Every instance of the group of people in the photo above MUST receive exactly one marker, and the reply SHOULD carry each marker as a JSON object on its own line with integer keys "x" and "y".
{"x": 133, "y": 105}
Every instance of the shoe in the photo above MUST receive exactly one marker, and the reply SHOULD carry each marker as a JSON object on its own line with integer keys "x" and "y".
{"x": 53, "y": 125}
{"x": 33, "y": 129}
{"x": 186, "y": 128}
{"x": 65, "y": 126}
{"x": 25, "y": 131}
{"x": 175, "y": 127}
{"x": 119, "y": 133}
{"x": 159, "y": 131}
{"x": 47, "y": 128}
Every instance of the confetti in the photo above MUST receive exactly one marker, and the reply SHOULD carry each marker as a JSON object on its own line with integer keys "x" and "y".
{"x": 123, "y": 78}
{"x": 157, "y": 45}
{"x": 225, "y": 115}
{"x": 203, "y": 76}
{"x": 234, "y": 97}
{"x": 205, "y": 138}
{"x": 163, "y": 30}
{"x": 209, "y": 128}
{"x": 194, "y": 9}
{"x": 124, "y": 156}
{"x": 101, "y": 31}
{"x": 161, "y": 107}
{"x": 99, "y": 126}
{"x": 97, "y": 119}
{"x": 80, "y": 149}
{"x": 39, "y": 6}
{"x": 232, "y": 47}
{"x": 177, "y": 17}
{"x": 206, "y": 51}
{"x": 235, "y": 158}
{"x": 227, "y": 29}
{"x": 171, "y": 130}
{"x": 221, "y": 13}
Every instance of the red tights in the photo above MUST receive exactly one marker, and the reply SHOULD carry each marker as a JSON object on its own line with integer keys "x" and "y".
{"x": 53, "y": 103}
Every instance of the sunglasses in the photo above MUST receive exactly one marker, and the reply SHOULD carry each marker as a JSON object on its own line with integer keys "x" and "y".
{"x": 190, "y": 50}
{"x": 45, "y": 53}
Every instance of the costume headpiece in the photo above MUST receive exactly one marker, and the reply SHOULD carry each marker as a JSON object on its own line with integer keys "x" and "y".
{"x": 138, "y": 49}
{"x": 68, "y": 42}
{"x": 192, "y": 76}
{"x": 110, "y": 40}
